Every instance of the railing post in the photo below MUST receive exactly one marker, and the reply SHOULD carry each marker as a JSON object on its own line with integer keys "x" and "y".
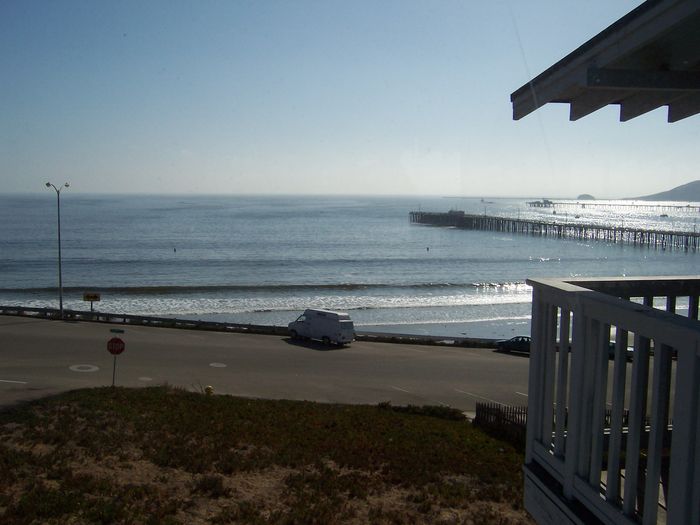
{"x": 587, "y": 398}
{"x": 693, "y": 306}
{"x": 660, "y": 396}
{"x": 685, "y": 454}
{"x": 548, "y": 371}
{"x": 600, "y": 382}
{"x": 618, "y": 400}
{"x": 535, "y": 374}
{"x": 638, "y": 400}
{"x": 562, "y": 384}
{"x": 573, "y": 437}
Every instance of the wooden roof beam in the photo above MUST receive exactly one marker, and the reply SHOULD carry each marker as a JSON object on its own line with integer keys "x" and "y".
{"x": 529, "y": 98}
{"x": 615, "y": 45}
{"x": 642, "y": 103}
{"x": 593, "y": 100}
{"x": 683, "y": 108}
{"x": 643, "y": 80}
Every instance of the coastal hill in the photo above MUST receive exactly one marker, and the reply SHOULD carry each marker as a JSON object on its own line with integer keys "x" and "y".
{"x": 687, "y": 193}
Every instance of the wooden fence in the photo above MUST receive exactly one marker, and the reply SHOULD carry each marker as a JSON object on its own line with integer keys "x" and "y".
{"x": 508, "y": 423}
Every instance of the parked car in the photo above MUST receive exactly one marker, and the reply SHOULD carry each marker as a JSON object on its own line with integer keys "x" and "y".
{"x": 323, "y": 325}
{"x": 520, "y": 343}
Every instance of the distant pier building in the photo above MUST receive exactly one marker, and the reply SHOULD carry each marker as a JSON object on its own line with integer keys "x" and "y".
{"x": 613, "y": 205}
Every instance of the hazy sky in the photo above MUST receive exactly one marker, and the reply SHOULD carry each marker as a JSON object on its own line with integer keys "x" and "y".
{"x": 315, "y": 97}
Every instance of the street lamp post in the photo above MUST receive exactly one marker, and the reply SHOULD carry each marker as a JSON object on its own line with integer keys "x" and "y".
{"x": 58, "y": 209}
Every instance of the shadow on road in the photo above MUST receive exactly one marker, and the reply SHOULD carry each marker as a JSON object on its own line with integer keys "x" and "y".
{"x": 514, "y": 353}
{"x": 313, "y": 345}
{"x": 21, "y": 321}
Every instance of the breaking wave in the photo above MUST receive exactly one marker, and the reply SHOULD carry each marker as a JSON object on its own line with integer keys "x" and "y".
{"x": 255, "y": 288}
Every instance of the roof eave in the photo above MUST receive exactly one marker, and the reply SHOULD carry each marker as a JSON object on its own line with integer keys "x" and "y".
{"x": 572, "y": 79}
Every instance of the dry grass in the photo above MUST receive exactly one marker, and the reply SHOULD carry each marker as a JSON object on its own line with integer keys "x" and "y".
{"x": 163, "y": 455}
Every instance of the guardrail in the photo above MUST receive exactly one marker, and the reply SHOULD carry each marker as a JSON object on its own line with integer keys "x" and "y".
{"x": 140, "y": 320}
{"x": 187, "y": 324}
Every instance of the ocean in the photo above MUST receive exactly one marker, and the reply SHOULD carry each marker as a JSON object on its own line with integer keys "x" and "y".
{"x": 264, "y": 259}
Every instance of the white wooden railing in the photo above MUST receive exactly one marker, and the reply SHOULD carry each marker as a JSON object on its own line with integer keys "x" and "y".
{"x": 641, "y": 462}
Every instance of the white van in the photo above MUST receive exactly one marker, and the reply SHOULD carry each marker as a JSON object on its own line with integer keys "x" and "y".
{"x": 324, "y": 325}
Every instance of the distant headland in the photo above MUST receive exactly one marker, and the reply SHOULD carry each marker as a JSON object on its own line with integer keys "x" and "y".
{"x": 686, "y": 193}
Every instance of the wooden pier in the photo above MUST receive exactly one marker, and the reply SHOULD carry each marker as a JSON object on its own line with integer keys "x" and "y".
{"x": 594, "y": 232}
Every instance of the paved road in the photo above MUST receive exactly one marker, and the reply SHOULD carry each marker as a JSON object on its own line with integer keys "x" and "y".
{"x": 39, "y": 357}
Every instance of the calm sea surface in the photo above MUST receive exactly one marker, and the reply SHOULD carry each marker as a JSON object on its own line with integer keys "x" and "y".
{"x": 264, "y": 259}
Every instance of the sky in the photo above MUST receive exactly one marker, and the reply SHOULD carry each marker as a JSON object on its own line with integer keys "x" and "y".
{"x": 390, "y": 97}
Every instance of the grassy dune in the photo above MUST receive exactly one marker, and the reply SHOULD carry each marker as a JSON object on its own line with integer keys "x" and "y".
{"x": 164, "y": 455}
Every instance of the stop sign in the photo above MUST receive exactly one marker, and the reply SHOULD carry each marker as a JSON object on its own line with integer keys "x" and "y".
{"x": 115, "y": 346}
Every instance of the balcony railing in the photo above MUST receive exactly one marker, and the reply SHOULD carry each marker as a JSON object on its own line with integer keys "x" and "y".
{"x": 629, "y": 347}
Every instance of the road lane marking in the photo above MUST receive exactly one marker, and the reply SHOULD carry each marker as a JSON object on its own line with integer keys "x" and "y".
{"x": 400, "y": 389}
{"x": 144, "y": 378}
{"x": 418, "y": 350}
{"x": 521, "y": 394}
{"x": 217, "y": 365}
{"x": 10, "y": 381}
{"x": 83, "y": 368}
{"x": 478, "y": 396}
